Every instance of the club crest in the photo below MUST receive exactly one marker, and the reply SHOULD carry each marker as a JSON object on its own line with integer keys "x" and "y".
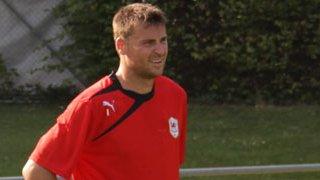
{"x": 174, "y": 127}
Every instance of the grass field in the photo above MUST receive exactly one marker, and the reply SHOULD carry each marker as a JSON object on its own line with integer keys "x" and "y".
{"x": 244, "y": 136}
{"x": 218, "y": 136}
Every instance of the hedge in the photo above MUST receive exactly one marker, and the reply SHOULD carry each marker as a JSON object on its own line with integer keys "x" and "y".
{"x": 9, "y": 92}
{"x": 223, "y": 51}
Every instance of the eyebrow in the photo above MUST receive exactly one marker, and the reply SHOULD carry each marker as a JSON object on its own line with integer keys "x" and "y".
{"x": 148, "y": 40}
{"x": 153, "y": 40}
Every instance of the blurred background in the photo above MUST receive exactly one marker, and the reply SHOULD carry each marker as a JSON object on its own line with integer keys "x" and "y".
{"x": 251, "y": 70}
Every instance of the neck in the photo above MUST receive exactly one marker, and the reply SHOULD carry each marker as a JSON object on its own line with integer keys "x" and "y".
{"x": 132, "y": 81}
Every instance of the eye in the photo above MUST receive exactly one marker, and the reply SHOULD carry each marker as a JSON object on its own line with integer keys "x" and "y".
{"x": 163, "y": 40}
{"x": 148, "y": 42}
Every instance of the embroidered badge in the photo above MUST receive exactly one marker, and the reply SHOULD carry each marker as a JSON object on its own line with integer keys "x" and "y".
{"x": 109, "y": 107}
{"x": 173, "y": 127}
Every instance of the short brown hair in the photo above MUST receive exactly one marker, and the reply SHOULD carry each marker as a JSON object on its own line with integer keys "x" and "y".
{"x": 131, "y": 15}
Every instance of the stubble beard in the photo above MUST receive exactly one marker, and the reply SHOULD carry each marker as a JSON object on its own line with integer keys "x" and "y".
{"x": 152, "y": 72}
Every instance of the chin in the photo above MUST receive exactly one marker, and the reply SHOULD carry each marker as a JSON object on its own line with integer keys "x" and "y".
{"x": 153, "y": 75}
{"x": 158, "y": 73}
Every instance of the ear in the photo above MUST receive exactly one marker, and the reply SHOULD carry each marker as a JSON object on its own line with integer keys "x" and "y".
{"x": 120, "y": 45}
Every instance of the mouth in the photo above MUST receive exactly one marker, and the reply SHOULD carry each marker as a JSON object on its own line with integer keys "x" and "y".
{"x": 157, "y": 61}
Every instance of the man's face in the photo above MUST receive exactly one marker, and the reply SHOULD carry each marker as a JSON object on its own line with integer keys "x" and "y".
{"x": 146, "y": 50}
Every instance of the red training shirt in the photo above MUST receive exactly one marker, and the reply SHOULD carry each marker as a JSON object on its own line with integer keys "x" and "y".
{"x": 110, "y": 133}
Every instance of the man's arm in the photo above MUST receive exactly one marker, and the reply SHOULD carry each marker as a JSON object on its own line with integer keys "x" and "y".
{"x": 32, "y": 171}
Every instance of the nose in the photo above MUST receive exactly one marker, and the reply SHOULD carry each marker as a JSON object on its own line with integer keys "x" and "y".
{"x": 161, "y": 49}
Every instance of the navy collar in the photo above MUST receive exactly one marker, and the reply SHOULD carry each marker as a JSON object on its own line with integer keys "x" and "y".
{"x": 130, "y": 93}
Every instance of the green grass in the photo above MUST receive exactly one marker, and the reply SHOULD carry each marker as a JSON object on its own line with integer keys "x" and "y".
{"x": 218, "y": 136}
{"x": 21, "y": 127}
{"x": 245, "y": 136}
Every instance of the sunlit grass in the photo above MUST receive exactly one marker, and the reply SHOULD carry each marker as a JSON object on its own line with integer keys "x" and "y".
{"x": 221, "y": 136}
{"x": 218, "y": 136}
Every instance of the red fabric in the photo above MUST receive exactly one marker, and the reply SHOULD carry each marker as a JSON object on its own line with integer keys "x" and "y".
{"x": 140, "y": 148}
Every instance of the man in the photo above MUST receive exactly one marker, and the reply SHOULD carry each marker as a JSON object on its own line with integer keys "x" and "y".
{"x": 129, "y": 125}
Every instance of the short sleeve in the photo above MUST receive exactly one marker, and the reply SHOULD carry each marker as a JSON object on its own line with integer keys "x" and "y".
{"x": 58, "y": 150}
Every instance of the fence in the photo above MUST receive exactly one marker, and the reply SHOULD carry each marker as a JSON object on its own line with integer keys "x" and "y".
{"x": 250, "y": 170}
{"x": 26, "y": 27}
{"x": 218, "y": 171}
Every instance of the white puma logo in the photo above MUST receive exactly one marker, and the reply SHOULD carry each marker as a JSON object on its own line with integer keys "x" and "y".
{"x": 108, "y": 105}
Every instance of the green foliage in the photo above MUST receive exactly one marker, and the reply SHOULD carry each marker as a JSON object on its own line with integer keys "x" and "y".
{"x": 248, "y": 51}
{"x": 36, "y": 94}
{"x": 269, "y": 47}
{"x": 31, "y": 93}
{"x": 225, "y": 51}
{"x": 6, "y": 75}
{"x": 88, "y": 24}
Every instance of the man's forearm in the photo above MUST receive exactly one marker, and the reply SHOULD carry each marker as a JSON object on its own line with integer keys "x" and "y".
{"x": 32, "y": 171}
